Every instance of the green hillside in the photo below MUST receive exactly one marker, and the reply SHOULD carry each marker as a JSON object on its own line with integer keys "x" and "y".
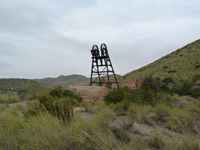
{"x": 182, "y": 64}
{"x": 65, "y": 81}
{"x": 19, "y": 87}
{"x": 16, "y": 86}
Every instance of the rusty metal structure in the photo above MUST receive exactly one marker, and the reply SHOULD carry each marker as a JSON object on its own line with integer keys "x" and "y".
{"x": 102, "y": 69}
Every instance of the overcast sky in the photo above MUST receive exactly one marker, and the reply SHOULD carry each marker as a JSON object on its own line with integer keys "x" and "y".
{"x": 48, "y": 38}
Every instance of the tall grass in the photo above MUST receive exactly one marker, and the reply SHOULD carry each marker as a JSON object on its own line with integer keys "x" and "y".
{"x": 6, "y": 98}
{"x": 3, "y": 107}
{"x": 187, "y": 142}
{"x": 47, "y": 132}
{"x": 10, "y": 127}
{"x": 181, "y": 120}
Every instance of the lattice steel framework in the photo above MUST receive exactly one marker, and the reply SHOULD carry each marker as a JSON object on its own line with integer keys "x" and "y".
{"x": 102, "y": 69}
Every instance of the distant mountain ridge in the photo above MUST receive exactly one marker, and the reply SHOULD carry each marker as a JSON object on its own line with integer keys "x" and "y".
{"x": 65, "y": 81}
{"x": 19, "y": 86}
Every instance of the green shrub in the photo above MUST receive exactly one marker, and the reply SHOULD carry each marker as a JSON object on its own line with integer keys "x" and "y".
{"x": 165, "y": 98}
{"x": 183, "y": 86}
{"x": 59, "y": 92}
{"x": 147, "y": 96}
{"x": 168, "y": 84}
{"x": 194, "y": 93}
{"x": 140, "y": 96}
{"x": 165, "y": 67}
{"x": 115, "y": 96}
{"x": 162, "y": 112}
{"x": 156, "y": 141}
{"x": 197, "y": 66}
{"x": 33, "y": 90}
{"x": 59, "y": 102}
{"x": 151, "y": 83}
{"x": 171, "y": 71}
{"x": 167, "y": 80}
{"x": 152, "y": 91}
{"x": 121, "y": 135}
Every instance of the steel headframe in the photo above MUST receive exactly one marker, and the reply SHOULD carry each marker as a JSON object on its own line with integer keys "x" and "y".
{"x": 102, "y": 68}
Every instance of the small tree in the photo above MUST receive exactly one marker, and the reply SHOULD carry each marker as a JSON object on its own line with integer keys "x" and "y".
{"x": 33, "y": 90}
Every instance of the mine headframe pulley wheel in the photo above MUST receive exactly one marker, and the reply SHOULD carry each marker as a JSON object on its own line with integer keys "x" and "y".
{"x": 102, "y": 68}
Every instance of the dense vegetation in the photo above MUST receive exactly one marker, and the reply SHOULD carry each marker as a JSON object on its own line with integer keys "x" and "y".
{"x": 17, "y": 87}
{"x": 152, "y": 92}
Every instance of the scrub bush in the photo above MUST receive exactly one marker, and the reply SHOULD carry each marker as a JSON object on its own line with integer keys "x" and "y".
{"x": 59, "y": 102}
{"x": 140, "y": 96}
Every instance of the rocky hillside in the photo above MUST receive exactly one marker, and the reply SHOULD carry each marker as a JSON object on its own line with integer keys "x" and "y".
{"x": 182, "y": 64}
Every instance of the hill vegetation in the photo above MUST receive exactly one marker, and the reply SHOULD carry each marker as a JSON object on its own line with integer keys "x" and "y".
{"x": 182, "y": 64}
{"x": 14, "y": 85}
{"x": 17, "y": 87}
{"x": 14, "y": 89}
{"x": 65, "y": 81}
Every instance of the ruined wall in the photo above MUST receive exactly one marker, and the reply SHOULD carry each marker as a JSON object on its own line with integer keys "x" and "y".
{"x": 91, "y": 93}
{"x": 133, "y": 84}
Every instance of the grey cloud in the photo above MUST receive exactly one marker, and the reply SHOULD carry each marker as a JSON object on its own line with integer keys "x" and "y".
{"x": 47, "y": 38}
{"x": 4, "y": 65}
